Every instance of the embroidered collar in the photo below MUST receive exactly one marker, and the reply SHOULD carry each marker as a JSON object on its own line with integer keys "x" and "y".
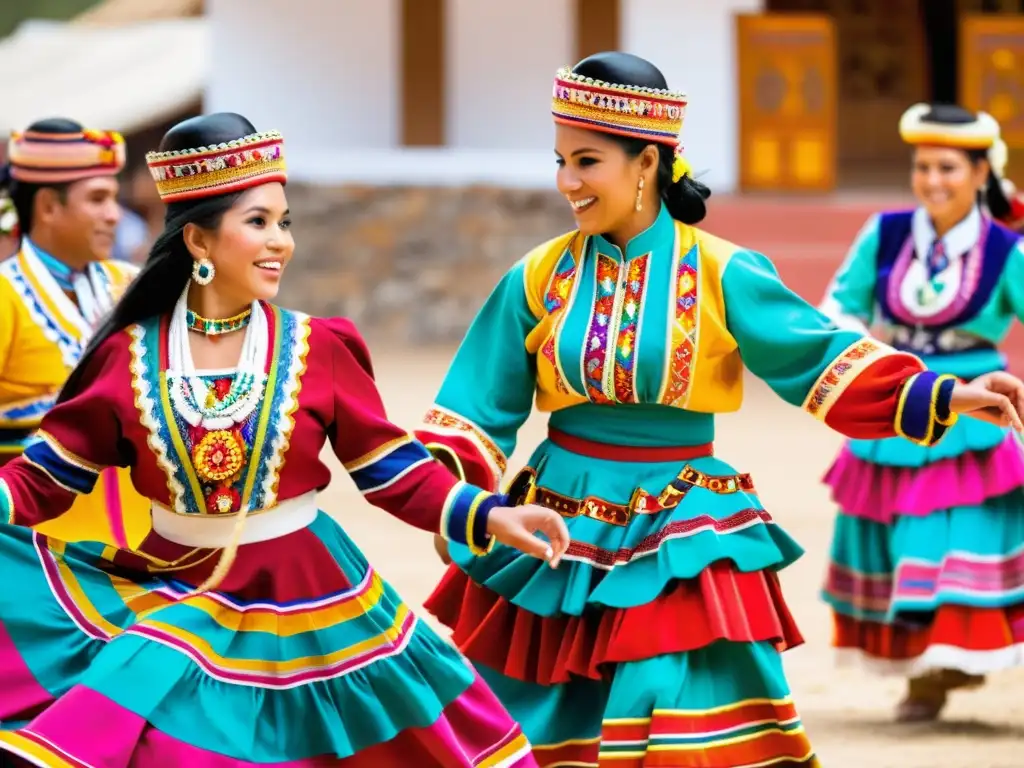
{"x": 661, "y": 233}
{"x": 61, "y": 272}
{"x": 958, "y": 241}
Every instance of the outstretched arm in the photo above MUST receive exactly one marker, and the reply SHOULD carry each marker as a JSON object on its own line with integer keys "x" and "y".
{"x": 855, "y": 384}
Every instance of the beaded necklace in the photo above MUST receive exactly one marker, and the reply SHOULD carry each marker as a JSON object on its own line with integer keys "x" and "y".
{"x": 193, "y": 398}
{"x": 199, "y": 324}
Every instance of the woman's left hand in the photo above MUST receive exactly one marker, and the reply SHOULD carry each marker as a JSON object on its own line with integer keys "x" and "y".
{"x": 996, "y": 397}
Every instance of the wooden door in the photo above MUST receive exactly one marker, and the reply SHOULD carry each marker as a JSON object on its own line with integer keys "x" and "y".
{"x": 882, "y": 64}
{"x": 992, "y": 77}
{"x": 787, "y": 100}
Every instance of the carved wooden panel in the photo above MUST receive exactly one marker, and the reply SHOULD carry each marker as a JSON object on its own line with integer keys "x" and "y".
{"x": 882, "y": 66}
{"x": 787, "y": 90}
{"x": 992, "y": 76}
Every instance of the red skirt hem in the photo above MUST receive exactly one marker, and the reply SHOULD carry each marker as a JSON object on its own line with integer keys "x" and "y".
{"x": 719, "y": 604}
{"x": 959, "y": 626}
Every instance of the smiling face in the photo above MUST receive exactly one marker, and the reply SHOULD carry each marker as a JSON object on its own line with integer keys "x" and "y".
{"x": 600, "y": 180}
{"x": 79, "y": 222}
{"x": 250, "y": 249}
{"x": 946, "y": 182}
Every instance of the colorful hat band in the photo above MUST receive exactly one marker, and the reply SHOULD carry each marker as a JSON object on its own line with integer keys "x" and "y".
{"x": 625, "y": 110}
{"x": 188, "y": 174}
{"x": 60, "y": 158}
{"x": 916, "y": 131}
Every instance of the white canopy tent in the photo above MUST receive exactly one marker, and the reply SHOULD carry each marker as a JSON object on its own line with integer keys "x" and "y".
{"x": 122, "y": 78}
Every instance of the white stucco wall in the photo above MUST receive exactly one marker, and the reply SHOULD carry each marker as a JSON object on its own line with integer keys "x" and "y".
{"x": 500, "y": 59}
{"x": 693, "y": 43}
{"x": 325, "y": 73}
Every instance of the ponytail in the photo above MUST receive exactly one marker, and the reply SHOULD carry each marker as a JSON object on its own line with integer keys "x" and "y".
{"x": 685, "y": 199}
{"x": 993, "y": 196}
{"x": 996, "y": 199}
{"x": 160, "y": 283}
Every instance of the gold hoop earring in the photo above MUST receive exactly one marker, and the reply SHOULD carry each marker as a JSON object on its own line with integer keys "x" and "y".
{"x": 640, "y": 194}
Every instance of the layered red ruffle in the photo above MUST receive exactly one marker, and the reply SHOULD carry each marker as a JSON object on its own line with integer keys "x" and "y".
{"x": 959, "y": 626}
{"x": 720, "y": 604}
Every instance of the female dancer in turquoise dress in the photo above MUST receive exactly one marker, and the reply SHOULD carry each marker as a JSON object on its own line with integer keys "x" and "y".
{"x": 657, "y": 641}
{"x": 247, "y": 629}
{"x": 926, "y": 577}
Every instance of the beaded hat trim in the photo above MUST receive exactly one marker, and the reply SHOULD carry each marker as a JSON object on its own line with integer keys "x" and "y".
{"x": 188, "y": 174}
{"x": 626, "y": 110}
{"x": 61, "y": 158}
{"x": 982, "y": 133}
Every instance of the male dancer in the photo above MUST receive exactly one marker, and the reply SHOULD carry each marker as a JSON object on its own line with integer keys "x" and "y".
{"x": 62, "y": 180}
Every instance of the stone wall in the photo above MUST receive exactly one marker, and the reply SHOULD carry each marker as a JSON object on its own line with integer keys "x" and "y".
{"x": 411, "y": 265}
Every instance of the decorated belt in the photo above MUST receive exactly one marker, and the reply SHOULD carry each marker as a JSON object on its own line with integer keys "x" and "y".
{"x": 524, "y": 490}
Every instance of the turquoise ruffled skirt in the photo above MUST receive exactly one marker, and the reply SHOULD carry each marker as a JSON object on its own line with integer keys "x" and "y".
{"x": 655, "y": 642}
{"x": 927, "y": 560}
{"x": 303, "y": 658}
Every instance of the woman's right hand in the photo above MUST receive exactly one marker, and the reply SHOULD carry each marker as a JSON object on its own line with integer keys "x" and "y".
{"x": 516, "y": 526}
{"x": 996, "y": 397}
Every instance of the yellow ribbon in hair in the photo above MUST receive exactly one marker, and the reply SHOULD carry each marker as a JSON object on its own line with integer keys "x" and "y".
{"x": 680, "y": 167}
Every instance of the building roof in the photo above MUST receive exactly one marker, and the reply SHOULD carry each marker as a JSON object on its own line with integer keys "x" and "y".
{"x": 104, "y": 77}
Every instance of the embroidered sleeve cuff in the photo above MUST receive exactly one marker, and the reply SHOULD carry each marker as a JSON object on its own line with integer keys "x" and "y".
{"x": 464, "y": 519}
{"x": 923, "y": 414}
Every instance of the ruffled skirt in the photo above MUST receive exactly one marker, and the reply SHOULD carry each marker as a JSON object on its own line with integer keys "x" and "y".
{"x": 927, "y": 561}
{"x": 304, "y": 658}
{"x": 656, "y": 642}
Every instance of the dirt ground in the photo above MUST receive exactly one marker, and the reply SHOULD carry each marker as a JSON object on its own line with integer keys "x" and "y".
{"x": 847, "y": 713}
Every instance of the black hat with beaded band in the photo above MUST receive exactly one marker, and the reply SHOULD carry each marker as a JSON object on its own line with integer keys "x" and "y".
{"x": 625, "y": 110}
{"x": 638, "y": 112}
{"x": 218, "y": 169}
